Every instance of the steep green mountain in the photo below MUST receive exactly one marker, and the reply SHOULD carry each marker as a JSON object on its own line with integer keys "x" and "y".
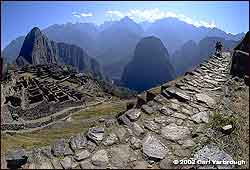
{"x": 38, "y": 49}
{"x": 149, "y": 67}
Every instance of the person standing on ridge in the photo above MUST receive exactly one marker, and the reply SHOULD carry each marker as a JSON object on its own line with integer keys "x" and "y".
{"x": 218, "y": 48}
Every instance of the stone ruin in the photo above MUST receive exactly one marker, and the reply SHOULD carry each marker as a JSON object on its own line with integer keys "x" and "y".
{"x": 153, "y": 133}
{"x": 40, "y": 91}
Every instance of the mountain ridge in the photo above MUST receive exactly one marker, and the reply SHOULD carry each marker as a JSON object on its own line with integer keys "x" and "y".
{"x": 37, "y": 49}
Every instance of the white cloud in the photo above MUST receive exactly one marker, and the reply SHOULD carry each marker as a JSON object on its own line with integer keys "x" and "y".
{"x": 154, "y": 14}
{"x": 79, "y": 15}
{"x": 115, "y": 14}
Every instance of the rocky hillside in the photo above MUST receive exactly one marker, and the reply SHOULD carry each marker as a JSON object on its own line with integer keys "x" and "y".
{"x": 184, "y": 121}
{"x": 37, "y": 49}
{"x": 244, "y": 45}
{"x": 149, "y": 67}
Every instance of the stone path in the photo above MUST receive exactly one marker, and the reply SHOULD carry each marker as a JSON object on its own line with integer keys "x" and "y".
{"x": 170, "y": 127}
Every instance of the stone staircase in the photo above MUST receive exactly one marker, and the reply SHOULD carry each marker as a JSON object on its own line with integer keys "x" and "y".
{"x": 160, "y": 131}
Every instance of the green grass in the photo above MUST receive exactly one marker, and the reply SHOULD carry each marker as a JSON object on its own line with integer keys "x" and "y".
{"x": 46, "y": 136}
{"x": 103, "y": 109}
{"x": 218, "y": 120}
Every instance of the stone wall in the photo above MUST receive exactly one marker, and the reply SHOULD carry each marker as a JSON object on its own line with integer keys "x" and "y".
{"x": 43, "y": 109}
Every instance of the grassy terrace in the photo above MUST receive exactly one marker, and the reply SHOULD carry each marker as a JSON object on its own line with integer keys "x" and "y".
{"x": 80, "y": 122}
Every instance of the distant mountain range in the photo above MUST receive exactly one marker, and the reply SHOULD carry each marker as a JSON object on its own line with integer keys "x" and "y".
{"x": 37, "y": 49}
{"x": 114, "y": 42}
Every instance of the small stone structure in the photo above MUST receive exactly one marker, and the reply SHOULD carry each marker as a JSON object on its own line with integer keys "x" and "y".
{"x": 43, "y": 90}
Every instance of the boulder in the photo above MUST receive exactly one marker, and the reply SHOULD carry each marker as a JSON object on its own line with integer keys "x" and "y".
{"x": 82, "y": 155}
{"x": 100, "y": 158}
{"x": 153, "y": 148}
{"x": 212, "y": 152}
{"x": 167, "y": 163}
{"x": 137, "y": 129}
{"x": 124, "y": 120}
{"x": 166, "y": 111}
{"x": 147, "y": 109}
{"x": 96, "y": 134}
{"x": 61, "y": 148}
{"x": 120, "y": 155}
{"x": 200, "y": 117}
{"x": 151, "y": 125}
{"x": 67, "y": 163}
{"x": 175, "y": 133}
{"x": 135, "y": 143}
{"x": 133, "y": 114}
{"x": 109, "y": 122}
{"x": 140, "y": 165}
{"x": 227, "y": 129}
{"x": 178, "y": 94}
{"x": 201, "y": 97}
{"x": 188, "y": 143}
{"x": 86, "y": 164}
{"x": 179, "y": 116}
{"x": 186, "y": 111}
{"x": 78, "y": 142}
{"x": 91, "y": 145}
{"x": 15, "y": 159}
{"x": 110, "y": 140}
{"x": 56, "y": 164}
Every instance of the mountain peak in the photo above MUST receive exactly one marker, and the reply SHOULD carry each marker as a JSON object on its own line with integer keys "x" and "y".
{"x": 35, "y": 31}
{"x": 36, "y": 49}
{"x": 149, "y": 67}
{"x": 126, "y": 19}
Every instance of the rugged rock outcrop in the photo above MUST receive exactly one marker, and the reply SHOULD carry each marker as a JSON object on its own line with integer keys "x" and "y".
{"x": 78, "y": 58}
{"x": 37, "y": 49}
{"x": 240, "y": 60}
{"x": 149, "y": 67}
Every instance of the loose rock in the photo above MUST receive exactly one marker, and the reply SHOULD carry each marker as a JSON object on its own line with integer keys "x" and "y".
{"x": 96, "y": 134}
{"x": 135, "y": 143}
{"x": 147, "y": 109}
{"x": 66, "y": 163}
{"x": 205, "y": 99}
{"x": 82, "y": 155}
{"x": 61, "y": 148}
{"x": 151, "y": 125}
{"x": 15, "y": 159}
{"x": 212, "y": 152}
{"x": 110, "y": 140}
{"x": 174, "y": 132}
{"x": 153, "y": 148}
{"x": 200, "y": 117}
{"x": 137, "y": 129}
{"x": 78, "y": 142}
{"x": 133, "y": 114}
{"x": 100, "y": 158}
{"x": 120, "y": 155}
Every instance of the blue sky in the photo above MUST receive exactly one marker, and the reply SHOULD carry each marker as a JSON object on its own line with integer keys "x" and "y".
{"x": 18, "y": 18}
